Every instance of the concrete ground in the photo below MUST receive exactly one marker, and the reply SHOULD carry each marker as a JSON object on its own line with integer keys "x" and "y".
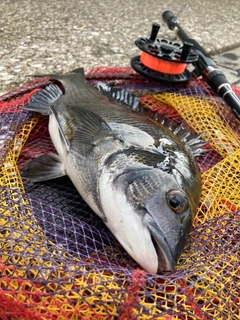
{"x": 61, "y": 35}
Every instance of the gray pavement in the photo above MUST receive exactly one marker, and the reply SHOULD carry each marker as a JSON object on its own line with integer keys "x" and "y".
{"x": 61, "y": 35}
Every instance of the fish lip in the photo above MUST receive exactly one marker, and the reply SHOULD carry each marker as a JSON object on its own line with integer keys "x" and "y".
{"x": 166, "y": 260}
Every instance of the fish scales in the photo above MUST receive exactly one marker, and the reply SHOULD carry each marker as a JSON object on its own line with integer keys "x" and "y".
{"x": 136, "y": 174}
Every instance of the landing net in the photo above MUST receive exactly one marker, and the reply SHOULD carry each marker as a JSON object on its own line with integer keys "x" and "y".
{"x": 57, "y": 259}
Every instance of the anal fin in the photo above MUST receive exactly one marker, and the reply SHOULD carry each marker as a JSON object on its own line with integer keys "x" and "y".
{"x": 43, "y": 168}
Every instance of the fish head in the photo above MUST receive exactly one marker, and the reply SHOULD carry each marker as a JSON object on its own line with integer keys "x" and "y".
{"x": 169, "y": 215}
{"x": 155, "y": 212}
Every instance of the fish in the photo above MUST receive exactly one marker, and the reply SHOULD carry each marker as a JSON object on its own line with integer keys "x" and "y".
{"x": 138, "y": 175}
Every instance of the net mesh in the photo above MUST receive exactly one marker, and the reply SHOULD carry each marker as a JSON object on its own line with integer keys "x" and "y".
{"x": 59, "y": 261}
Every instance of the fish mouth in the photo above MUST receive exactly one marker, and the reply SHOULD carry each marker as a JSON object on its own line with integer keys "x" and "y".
{"x": 166, "y": 260}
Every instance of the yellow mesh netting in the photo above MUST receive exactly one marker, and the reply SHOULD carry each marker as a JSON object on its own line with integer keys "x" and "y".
{"x": 221, "y": 185}
{"x": 9, "y": 173}
{"x": 42, "y": 277}
{"x": 24, "y": 245}
{"x": 203, "y": 115}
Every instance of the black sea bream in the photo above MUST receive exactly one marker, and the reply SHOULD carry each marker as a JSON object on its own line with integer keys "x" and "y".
{"x": 140, "y": 177}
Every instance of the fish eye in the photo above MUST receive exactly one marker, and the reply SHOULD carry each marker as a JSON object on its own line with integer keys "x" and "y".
{"x": 177, "y": 201}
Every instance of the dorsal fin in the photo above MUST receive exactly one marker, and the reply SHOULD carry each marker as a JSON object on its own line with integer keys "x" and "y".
{"x": 195, "y": 144}
{"x": 192, "y": 141}
{"x": 119, "y": 95}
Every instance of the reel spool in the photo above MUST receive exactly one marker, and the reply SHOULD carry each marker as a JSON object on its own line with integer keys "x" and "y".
{"x": 162, "y": 59}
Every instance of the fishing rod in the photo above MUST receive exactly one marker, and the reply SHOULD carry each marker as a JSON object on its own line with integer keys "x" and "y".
{"x": 205, "y": 65}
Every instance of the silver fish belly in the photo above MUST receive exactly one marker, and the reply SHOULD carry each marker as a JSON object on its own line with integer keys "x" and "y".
{"x": 140, "y": 177}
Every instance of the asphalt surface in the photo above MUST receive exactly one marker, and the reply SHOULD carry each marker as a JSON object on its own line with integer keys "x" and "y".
{"x": 61, "y": 35}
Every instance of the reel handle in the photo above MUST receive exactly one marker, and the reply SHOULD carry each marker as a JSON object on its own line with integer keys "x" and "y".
{"x": 154, "y": 32}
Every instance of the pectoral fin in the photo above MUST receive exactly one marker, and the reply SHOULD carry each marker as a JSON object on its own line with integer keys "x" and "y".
{"x": 45, "y": 167}
{"x": 91, "y": 126}
{"x": 82, "y": 126}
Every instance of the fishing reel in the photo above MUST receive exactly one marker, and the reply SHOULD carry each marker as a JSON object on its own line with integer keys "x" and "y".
{"x": 162, "y": 59}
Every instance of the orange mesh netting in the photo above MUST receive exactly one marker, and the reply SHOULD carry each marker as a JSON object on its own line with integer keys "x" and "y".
{"x": 58, "y": 260}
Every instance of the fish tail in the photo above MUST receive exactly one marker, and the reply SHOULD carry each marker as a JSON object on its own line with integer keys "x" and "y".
{"x": 43, "y": 99}
{"x": 75, "y": 87}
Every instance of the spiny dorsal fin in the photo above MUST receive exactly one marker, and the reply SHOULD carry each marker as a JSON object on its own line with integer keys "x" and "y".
{"x": 192, "y": 141}
{"x": 119, "y": 95}
{"x": 195, "y": 143}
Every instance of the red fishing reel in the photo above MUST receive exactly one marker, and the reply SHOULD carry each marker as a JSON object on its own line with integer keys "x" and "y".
{"x": 162, "y": 59}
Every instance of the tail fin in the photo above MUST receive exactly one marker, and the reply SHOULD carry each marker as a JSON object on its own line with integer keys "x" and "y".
{"x": 76, "y": 87}
{"x": 43, "y": 99}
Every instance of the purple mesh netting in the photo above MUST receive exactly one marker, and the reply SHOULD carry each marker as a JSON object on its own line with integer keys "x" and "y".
{"x": 68, "y": 237}
{"x": 59, "y": 261}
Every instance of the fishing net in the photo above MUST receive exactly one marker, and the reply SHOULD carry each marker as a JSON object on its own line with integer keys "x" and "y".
{"x": 58, "y": 260}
